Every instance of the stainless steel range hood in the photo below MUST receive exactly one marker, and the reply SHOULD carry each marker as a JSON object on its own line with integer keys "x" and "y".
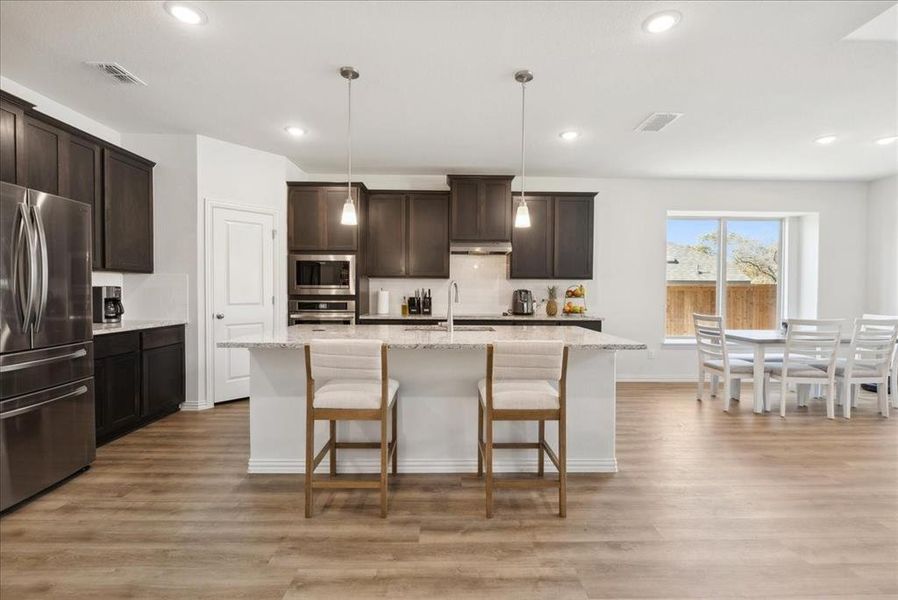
{"x": 482, "y": 248}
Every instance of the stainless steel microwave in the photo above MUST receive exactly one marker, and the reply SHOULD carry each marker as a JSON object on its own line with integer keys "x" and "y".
{"x": 321, "y": 274}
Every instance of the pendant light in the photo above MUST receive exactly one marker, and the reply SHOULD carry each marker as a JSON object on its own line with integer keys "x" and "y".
{"x": 349, "y": 216}
{"x": 522, "y": 214}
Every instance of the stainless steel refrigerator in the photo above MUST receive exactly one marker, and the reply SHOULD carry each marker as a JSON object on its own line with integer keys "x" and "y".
{"x": 47, "y": 428}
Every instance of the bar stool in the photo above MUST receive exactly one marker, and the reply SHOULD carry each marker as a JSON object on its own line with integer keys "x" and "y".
{"x": 517, "y": 388}
{"x": 353, "y": 386}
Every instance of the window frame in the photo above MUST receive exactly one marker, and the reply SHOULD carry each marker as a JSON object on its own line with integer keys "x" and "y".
{"x": 720, "y": 288}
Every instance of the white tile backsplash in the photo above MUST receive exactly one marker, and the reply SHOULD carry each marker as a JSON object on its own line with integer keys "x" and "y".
{"x": 483, "y": 287}
{"x": 156, "y": 296}
{"x": 99, "y": 278}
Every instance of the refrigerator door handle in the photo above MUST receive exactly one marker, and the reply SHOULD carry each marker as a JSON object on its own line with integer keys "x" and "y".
{"x": 24, "y": 290}
{"x": 42, "y": 361}
{"x": 18, "y": 411}
{"x": 41, "y": 308}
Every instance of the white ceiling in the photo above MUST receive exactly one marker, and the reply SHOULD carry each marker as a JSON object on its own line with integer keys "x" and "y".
{"x": 757, "y": 81}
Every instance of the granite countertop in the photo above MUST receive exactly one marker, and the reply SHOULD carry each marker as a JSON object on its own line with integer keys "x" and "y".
{"x": 398, "y": 336}
{"x": 134, "y": 325}
{"x": 483, "y": 317}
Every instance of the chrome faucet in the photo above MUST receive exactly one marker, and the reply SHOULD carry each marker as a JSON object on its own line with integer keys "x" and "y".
{"x": 450, "y": 325}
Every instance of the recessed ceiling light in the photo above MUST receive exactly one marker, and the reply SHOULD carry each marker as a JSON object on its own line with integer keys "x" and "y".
{"x": 295, "y": 131}
{"x": 887, "y": 140}
{"x": 185, "y": 13}
{"x": 826, "y": 140}
{"x": 569, "y": 135}
{"x": 662, "y": 21}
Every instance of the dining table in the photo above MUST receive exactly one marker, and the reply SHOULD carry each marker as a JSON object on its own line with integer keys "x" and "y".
{"x": 763, "y": 340}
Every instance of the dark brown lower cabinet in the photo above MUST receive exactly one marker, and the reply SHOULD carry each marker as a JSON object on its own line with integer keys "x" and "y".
{"x": 139, "y": 376}
{"x": 117, "y": 393}
{"x": 163, "y": 379}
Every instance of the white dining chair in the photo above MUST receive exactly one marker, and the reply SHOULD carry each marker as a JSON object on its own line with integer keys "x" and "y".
{"x": 809, "y": 359}
{"x": 714, "y": 359}
{"x": 893, "y": 378}
{"x": 869, "y": 360}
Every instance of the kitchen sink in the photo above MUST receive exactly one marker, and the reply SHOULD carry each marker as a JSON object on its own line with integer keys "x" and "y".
{"x": 445, "y": 328}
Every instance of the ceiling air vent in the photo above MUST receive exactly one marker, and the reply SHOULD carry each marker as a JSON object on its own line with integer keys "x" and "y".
{"x": 658, "y": 121}
{"x": 117, "y": 72}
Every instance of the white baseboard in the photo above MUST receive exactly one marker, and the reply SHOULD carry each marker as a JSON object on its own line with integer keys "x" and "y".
{"x": 421, "y": 465}
{"x": 657, "y": 379}
{"x": 195, "y": 406}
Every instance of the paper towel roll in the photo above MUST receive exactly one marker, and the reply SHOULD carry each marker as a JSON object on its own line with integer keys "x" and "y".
{"x": 383, "y": 302}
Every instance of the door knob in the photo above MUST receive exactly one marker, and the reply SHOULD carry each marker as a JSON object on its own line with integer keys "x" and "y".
{"x": 219, "y": 315}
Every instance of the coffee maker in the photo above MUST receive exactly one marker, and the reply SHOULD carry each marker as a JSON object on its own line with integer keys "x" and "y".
{"x": 107, "y": 304}
{"x": 522, "y": 302}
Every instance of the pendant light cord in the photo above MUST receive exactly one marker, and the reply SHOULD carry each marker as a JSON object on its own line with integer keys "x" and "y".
{"x": 349, "y": 145}
{"x": 523, "y": 95}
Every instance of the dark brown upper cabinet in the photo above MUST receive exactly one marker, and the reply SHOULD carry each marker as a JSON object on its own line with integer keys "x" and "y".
{"x": 408, "y": 234}
{"x": 12, "y": 142}
{"x": 40, "y": 152}
{"x": 127, "y": 212}
{"x": 532, "y": 247}
{"x": 480, "y": 208}
{"x": 46, "y": 157}
{"x": 86, "y": 185}
{"x": 386, "y": 248}
{"x": 573, "y": 237}
{"x": 313, "y": 217}
{"x": 559, "y": 242}
{"x": 428, "y": 235}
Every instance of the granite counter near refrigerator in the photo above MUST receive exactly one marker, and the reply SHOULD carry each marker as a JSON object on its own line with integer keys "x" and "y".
{"x": 586, "y": 321}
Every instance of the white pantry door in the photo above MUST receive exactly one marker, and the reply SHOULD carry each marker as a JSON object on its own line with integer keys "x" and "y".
{"x": 243, "y": 292}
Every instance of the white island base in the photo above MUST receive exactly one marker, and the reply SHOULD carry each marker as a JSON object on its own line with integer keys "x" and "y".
{"x": 437, "y": 402}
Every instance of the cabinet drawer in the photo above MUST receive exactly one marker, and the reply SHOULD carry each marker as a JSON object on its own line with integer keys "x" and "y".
{"x": 111, "y": 344}
{"x": 164, "y": 336}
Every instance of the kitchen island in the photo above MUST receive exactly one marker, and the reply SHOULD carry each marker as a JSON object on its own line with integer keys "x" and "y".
{"x": 438, "y": 373}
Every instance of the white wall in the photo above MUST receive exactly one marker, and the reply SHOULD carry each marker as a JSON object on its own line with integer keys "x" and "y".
{"x": 628, "y": 289}
{"x": 244, "y": 176}
{"x": 882, "y": 246}
{"x": 167, "y": 293}
{"x": 60, "y": 111}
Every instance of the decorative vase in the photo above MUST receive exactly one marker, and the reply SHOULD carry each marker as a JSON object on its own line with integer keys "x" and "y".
{"x": 551, "y": 307}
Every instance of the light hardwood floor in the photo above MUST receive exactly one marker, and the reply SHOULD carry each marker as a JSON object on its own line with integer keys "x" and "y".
{"x": 706, "y": 505}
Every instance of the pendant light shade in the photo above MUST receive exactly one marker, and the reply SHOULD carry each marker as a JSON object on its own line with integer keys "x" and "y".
{"x": 349, "y": 215}
{"x": 522, "y": 214}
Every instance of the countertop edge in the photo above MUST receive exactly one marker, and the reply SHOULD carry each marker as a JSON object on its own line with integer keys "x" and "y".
{"x": 100, "y": 329}
{"x": 371, "y": 317}
{"x": 423, "y": 346}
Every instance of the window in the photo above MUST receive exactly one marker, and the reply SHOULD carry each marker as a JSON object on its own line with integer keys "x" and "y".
{"x": 727, "y": 266}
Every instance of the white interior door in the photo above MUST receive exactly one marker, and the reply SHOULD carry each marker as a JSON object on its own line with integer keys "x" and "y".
{"x": 243, "y": 292}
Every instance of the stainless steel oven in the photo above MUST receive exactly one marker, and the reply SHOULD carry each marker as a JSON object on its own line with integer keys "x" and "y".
{"x": 321, "y": 274}
{"x": 335, "y": 312}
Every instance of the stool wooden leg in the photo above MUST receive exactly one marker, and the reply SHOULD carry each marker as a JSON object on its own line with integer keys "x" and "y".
{"x": 540, "y": 468}
{"x": 333, "y": 450}
{"x": 395, "y": 434}
{"x": 310, "y": 449}
{"x": 488, "y": 458}
{"x": 383, "y": 466}
{"x": 479, "y": 438}
{"x": 562, "y": 466}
